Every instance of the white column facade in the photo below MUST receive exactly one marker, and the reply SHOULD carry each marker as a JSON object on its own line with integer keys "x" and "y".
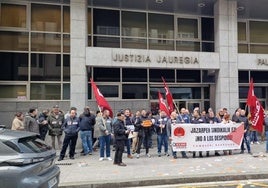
{"x": 227, "y": 90}
{"x": 79, "y": 82}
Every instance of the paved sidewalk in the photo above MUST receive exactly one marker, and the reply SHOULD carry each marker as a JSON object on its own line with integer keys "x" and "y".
{"x": 88, "y": 171}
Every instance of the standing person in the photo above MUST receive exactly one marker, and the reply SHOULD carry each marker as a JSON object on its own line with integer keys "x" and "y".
{"x": 243, "y": 118}
{"x": 17, "y": 123}
{"x": 104, "y": 123}
{"x": 71, "y": 129}
{"x": 30, "y": 121}
{"x": 226, "y": 119}
{"x": 121, "y": 135}
{"x": 171, "y": 122}
{"x": 128, "y": 122}
{"x": 96, "y": 134}
{"x": 145, "y": 132}
{"x": 161, "y": 131}
{"x": 87, "y": 121}
{"x": 197, "y": 119}
{"x": 43, "y": 123}
{"x": 212, "y": 119}
{"x": 183, "y": 117}
{"x": 55, "y": 120}
{"x": 137, "y": 134}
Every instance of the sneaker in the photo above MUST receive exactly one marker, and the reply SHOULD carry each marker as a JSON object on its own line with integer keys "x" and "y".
{"x": 109, "y": 158}
{"x": 138, "y": 156}
{"x": 167, "y": 154}
{"x": 185, "y": 156}
{"x": 101, "y": 159}
{"x": 250, "y": 153}
{"x": 242, "y": 151}
{"x": 148, "y": 155}
{"x": 251, "y": 142}
{"x": 257, "y": 142}
{"x": 60, "y": 159}
{"x": 159, "y": 154}
{"x": 72, "y": 157}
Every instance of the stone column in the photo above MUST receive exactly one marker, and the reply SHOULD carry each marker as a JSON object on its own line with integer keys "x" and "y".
{"x": 225, "y": 13}
{"x": 79, "y": 82}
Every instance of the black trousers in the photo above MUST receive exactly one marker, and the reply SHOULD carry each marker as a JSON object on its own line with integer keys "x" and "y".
{"x": 68, "y": 140}
{"x": 119, "y": 150}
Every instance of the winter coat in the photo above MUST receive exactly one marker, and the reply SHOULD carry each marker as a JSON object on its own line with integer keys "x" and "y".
{"x": 54, "y": 124}
{"x": 119, "y": 130}
{"x": 71, "y": 126}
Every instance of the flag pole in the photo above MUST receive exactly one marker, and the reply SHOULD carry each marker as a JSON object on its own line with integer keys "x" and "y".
{"x": 178, "y": 110}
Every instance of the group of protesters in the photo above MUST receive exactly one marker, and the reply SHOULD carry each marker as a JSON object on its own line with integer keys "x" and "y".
{"x": 127, "y": 130}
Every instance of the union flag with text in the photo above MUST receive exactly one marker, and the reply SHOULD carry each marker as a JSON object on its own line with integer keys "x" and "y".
{"x": 256, "y": 109}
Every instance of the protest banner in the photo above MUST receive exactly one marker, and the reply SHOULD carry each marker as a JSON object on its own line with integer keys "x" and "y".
{"x": 206, "y": 137}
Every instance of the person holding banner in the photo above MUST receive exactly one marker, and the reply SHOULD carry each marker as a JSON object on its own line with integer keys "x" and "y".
{"x": 212, "y": 119}
{"x": 183, "y": 117}
{"x": 161, "y": 130}
{"x": 171, "y": 122}
{"x": 226, "y": 119}
{"x": 196, "y": 119}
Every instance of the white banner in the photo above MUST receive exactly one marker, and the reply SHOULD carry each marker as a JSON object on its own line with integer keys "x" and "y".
{"x": 206, "y": 137}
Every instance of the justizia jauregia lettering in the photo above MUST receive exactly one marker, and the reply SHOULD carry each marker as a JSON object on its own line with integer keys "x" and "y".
{"x": 159, "y": 59}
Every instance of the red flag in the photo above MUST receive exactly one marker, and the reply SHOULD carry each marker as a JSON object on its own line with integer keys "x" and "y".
{"x": 256, "y": 110}
{"x": 168, "y": 97}
{"x": 101, "y": 101}
{"x": 251, "y": 96}
{"x": 237, "y": 135}
{"x": 162, "y": 104}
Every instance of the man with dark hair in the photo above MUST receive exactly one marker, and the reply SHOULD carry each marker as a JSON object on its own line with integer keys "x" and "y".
{"x": 43, "y": 123}
{"x": 120, "y": 134}
{"x": 87, "y": 121}
{"x": 30, "y": 121}
{"x": 71, "y": 129}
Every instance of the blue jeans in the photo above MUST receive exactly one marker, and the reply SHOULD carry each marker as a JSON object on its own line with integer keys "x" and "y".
{"x": 127, "y": 144}
{"x": 246, "y": 139}
{"x": 105, "y": 142}
{"x": 266, "y": 134}
{"x": 162, "y": 139}
{"x": 86, "y": 137}
{"x": 253, "y": 136}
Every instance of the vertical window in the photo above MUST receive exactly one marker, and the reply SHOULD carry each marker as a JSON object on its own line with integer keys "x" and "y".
{"x": 66, "y": 67}
{"x": 207, "y": 26}
{"x": 66, "y": 19}
{"x": 46, "y": 18}
{"x": 242, "y": 31}
{"x": 13, "y": 15}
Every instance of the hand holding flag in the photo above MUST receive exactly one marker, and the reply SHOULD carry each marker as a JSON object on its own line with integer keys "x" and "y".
{"x": 101, "y": 101}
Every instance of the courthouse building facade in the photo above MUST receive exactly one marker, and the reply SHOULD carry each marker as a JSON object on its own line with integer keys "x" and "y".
{"x": 207, "y": 51}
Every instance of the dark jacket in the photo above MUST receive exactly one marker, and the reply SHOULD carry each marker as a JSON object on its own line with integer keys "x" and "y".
{"x": 87, "y": 122}
{"x": 163, "y": 121}
{"x": 71, "y": 126}
{"x": 54, "y": 124}
{"x": 245, "y": 120}
{"x": 119, "y": 130}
